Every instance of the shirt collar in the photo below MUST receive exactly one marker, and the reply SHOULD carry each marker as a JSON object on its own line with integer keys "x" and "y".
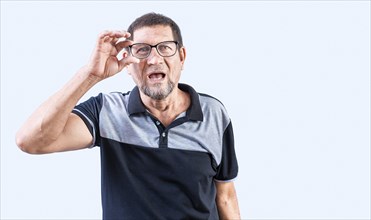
{"x": 194, "y": 112}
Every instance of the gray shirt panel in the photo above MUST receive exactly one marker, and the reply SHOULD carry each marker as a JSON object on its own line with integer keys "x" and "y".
{"x": 203, "y": 136}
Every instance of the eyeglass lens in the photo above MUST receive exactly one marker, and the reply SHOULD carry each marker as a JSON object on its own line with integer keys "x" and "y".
{"x": 165, "y": 49}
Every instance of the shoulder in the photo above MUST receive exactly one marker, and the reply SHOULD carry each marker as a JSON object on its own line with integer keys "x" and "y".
{"x": 115, "y": 95}
{"x": 101, "y": 97}
{"x": 103, "y": 100}
{"x": 210, "y": 100}
{"x": 213, "y": 109}
{"x": 112, "y": 98}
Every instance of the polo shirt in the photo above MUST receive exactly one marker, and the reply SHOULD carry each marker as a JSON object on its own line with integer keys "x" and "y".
{"x": 149, "y": 171}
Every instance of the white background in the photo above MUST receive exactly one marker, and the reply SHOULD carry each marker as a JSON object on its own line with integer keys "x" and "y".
{"x": 294, "y": 76}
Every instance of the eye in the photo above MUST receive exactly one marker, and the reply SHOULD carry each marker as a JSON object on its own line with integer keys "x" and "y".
{"x": 141, "y": 49}
{"x": 164, "y": 48}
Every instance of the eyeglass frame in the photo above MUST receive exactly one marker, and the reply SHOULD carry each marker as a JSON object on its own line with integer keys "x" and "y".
{"x": 155, "y": 46}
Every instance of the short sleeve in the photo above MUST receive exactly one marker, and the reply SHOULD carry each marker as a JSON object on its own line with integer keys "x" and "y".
{"x": 228, "y": 167}
{"x": 89, "y": 111}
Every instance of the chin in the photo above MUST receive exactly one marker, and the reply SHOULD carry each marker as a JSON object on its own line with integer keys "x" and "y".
{"x": 157, "y": 91}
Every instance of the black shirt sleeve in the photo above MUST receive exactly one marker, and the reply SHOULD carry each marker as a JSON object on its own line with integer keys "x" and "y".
{"x": 228, "y": 167}
{"x": 89, "y": 111}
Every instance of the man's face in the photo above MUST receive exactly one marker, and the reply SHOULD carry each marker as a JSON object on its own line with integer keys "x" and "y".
{"x": 156, "y": 76}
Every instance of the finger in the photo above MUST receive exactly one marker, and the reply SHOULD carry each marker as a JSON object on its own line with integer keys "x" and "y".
{"x": 104, "y": 36}
{"x": 116, "y": 49}
{"x": 122, "y": 36}
{"x": 122, "y": 44}
{"x": 114, "y": 33}
{"x": 112, "y": 36}
{"x": 126, "y": 60}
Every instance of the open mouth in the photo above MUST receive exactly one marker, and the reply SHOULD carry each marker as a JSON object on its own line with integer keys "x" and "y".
{"x": 156, "y": 76}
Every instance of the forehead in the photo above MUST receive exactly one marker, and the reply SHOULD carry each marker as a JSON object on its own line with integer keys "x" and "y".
{"x": 153, "y": 34}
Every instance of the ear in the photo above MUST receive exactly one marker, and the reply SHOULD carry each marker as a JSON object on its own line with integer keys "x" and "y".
{"x": 182, "y": 55}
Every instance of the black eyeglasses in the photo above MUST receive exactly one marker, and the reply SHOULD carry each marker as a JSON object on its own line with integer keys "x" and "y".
{"x": 142, "y": 50}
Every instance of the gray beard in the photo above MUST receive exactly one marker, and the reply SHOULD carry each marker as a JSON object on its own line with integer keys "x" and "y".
{"x": 158, "y": 94}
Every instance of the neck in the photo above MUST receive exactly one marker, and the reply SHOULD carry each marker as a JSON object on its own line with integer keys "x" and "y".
{"x": 166, "y": 110}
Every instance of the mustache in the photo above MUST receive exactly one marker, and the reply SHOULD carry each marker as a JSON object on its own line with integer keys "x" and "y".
{"x": 155, "y": 69}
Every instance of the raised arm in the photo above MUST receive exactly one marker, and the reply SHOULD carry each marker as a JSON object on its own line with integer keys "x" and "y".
{"x": 52, "y": 127}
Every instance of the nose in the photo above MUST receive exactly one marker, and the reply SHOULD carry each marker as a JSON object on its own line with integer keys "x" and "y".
{"x": 154, "y": 57}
